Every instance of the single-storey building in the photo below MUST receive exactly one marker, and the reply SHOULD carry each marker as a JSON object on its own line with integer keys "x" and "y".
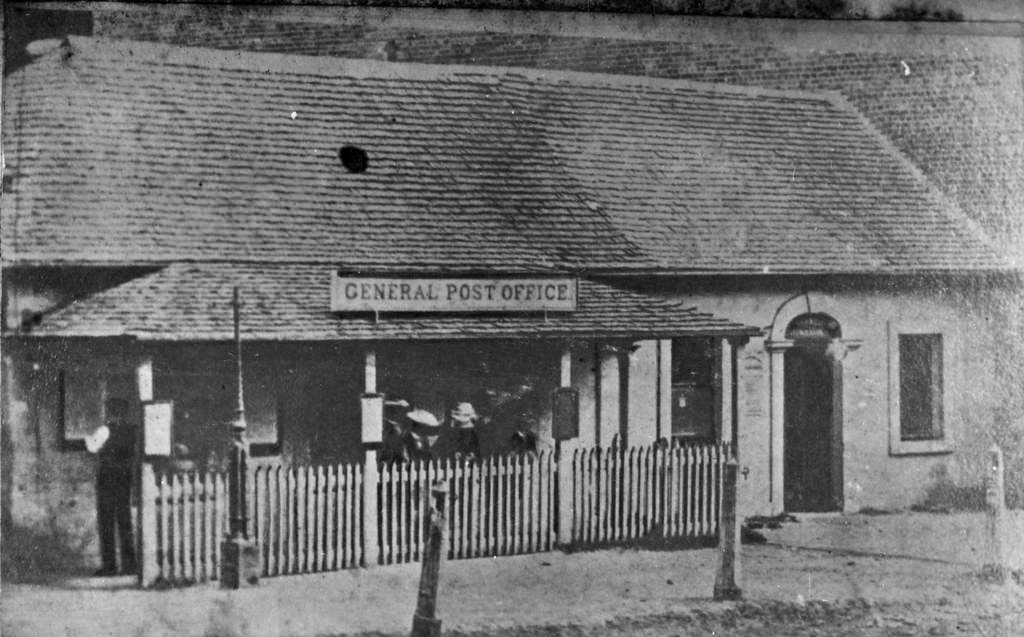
{"x": 697, "y": 261}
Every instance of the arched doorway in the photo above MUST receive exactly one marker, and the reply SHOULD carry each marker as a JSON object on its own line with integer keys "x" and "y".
{"x": 813, "y": 440}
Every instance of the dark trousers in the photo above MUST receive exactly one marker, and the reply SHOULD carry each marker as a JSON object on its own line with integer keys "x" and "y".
{"x": 114, "y": 511}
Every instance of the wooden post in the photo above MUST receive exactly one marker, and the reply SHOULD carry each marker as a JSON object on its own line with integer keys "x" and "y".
{"x": 425, "y": 622}
{"x": 372, "y": 437}
{"x": 995, "y": 500}
{"x": 564, "y": 453}
{"x": 144, "y": 388}
{"x": 149, "y": 569}
{"x": 726, "y": 587}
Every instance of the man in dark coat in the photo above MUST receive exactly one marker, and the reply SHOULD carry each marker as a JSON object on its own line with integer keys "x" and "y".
{"x": 115, "y": 449}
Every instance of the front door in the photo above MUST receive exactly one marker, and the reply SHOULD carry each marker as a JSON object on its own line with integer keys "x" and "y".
{"x": 810, "y": 472}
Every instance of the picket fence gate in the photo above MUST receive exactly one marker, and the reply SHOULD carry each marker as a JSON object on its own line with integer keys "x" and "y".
{"x": 646, "y": 492}
{"x": 500, "y": 505}
{"x": 311, "y": 519}
{"x": 306, "y": 519}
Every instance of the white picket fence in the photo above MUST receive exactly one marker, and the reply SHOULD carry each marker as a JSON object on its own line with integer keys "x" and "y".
{"x": 189, "y": 520}
{"x": 646, "y": 492}
{"x": 306, "y": 519}
{"x": 311, "y": 519}
{"x": 501, "y": 505}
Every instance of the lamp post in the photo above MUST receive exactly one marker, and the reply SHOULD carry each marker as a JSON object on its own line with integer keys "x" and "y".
{"x": 240, "y": 559}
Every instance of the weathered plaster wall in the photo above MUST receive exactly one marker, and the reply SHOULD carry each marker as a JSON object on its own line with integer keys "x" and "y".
{"x": 872, "y": 477}
{"x": 49, "y": 506}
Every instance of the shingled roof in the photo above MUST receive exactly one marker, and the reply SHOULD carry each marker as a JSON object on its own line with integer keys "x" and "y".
{"x": 193, "y": 302}
{"x": 136, "y": 153}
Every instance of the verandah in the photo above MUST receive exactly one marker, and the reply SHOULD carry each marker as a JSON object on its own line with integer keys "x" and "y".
{"x": 308, "y": 519}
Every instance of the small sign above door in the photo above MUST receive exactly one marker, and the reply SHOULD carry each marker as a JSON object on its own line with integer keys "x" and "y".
{"x": 401, "y": 294}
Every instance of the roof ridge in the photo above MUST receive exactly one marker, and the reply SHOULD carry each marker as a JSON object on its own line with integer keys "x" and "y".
{"x": 369, "y": 68}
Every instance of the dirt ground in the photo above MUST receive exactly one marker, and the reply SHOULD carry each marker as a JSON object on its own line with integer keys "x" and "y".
{"x": 903, "y": 574}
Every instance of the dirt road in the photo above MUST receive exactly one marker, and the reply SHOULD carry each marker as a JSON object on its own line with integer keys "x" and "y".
{"x": 906, "y": 574}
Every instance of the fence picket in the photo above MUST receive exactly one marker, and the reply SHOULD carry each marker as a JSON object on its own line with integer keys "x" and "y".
{"x": 454, "y": 508}
{"x": 341, "y": 513}
{"x": 281, "y": 513}
{"x": 549, "y": 514}
{"x": 528, "y": 501}
{"x": 476, "y": 509}
{"x": 412, "y": 518}
{"x": 397, "y": 512}
{"x": 308, "y": 519}
{"x": 522, "y": 500}
{"x": 163, "y": 532}
{"x": 669, "y": 496}
{"x": 705, "y": 489}
{"x": 220, "y": 516}
{"x": 327, "y": 486}
{"x": 466, "y": 505}
{"x": 536, "y": 499}
{"x": 700, "y": 464}
{"x": 515, "y": 500}
{"x": 321, "y": 518}
{"x": 202, "y": 531}
{"x": 577, "y": 496}
{"x": 586, "y": 475}
{"x": 392, "y": 549}
{"x": 274, "y": 517}
{"x": 420, "y": 501}
{"x": 589, "y": 468}
{"x": 487, "y": 478}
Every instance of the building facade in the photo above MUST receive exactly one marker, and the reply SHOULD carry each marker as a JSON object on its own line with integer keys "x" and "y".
{"x": 752, "y": 265}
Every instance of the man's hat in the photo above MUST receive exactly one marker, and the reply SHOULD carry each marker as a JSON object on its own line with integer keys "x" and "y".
{"x": 464, "y": 414}
{"x": 423, "y": 419}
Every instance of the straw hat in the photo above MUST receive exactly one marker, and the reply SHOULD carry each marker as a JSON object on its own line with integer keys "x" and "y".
{"x": 423, "y": 418}
{"x": 464, "y": 414}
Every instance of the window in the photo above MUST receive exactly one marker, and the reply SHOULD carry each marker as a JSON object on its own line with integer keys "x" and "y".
{"x": 694, "y": 388}
{"x": 84, "y": 391}
{"x": 920, "y": 386}
{"x": 917, "y": 401}
{"x": 204, "y": 405}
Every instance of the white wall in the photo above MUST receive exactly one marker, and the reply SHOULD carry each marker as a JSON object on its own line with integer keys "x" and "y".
{"x": 872, "y": 476}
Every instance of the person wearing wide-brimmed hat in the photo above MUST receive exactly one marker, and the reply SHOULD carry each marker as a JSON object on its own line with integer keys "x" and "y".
{"x": 463, "y": 421}
{"x": 396, "y": 431}
{"x": 422, "y": 434}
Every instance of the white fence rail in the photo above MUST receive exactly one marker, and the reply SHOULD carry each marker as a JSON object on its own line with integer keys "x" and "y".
{"x": 646, "y": 492}
{"x": 311, "y": 519}
{"x": 501, "y": 505}
{"x": 190, "y": 517}
{"x": 306, "y": 519}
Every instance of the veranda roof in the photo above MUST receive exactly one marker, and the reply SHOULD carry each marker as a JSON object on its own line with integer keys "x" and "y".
{"x": 192, "y": 302}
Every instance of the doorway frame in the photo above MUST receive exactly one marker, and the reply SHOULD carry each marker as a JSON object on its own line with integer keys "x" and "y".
{"x": 776, "y": 346}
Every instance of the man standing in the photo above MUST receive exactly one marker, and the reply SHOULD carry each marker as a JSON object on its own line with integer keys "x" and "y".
{"x": 114, "y": 444}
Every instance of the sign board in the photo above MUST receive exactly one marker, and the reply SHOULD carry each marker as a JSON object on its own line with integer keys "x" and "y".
{"x": 157, "y": 420}
{"x": 565, "y": 414}
{"x": 401, "y": 294}
{"x": 373, "y": 418}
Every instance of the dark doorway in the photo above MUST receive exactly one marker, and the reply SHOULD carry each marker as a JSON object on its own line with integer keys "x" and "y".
{"x": 813, "y": 472}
